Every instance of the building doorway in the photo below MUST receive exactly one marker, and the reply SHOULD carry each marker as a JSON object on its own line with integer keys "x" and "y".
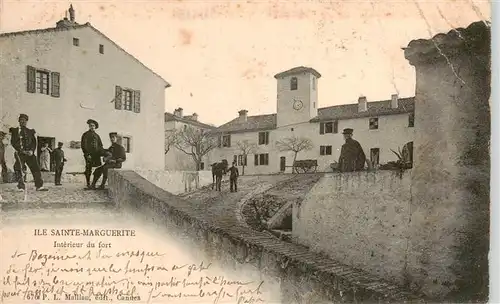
{"x": 375, "y": 157}
{"x": 282, "y": 163}
{"x": 52, "y": 144}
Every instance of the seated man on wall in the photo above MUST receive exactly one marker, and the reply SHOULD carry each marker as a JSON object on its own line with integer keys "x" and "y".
{"x": 352, "y": 157}
{"x": 114, "y": 156}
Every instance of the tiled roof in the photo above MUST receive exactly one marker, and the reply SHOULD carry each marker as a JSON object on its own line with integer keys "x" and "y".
{"x": 298, "y": 70}
{"x": 252, "y": 123}
{"x": 375, "y": 108}
{"x": 77, "y": 26}
{"x": 348, "y": 111}
{"x": 172, "y": 117}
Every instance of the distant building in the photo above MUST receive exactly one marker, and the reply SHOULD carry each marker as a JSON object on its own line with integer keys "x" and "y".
{"x": 379, "y": 126}
{"x": 174, "y": 158}
{"x": 64, "y": 75}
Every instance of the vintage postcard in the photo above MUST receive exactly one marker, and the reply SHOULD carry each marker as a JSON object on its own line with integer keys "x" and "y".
{"x": 245, "y": 151}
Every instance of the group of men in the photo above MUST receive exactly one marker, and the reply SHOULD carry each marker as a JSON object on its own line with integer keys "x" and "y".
{"x": 24, "y": 142}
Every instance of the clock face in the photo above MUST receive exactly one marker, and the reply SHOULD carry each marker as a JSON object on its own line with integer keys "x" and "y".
{"x": 297, "y": 105}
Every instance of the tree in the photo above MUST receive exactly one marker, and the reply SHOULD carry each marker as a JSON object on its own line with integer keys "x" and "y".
{"x": 294, "y": 144}
{"x": 195, "y": 142}
{"x": 245, "y": 148}
{"x": 170, "y": 138}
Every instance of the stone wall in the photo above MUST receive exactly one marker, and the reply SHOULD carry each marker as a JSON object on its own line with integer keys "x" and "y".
{"x": 304, "y": 276}
{"x": 360, "y": 219}
{"x": 177, "y": 182}
{"x": 451, "y": 174}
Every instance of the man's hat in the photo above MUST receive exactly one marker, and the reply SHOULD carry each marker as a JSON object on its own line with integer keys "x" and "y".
{"x": 23, "y": 116}
{"x": 113, "y": 134}
{"x": 348, "y": 131}
{"x": 93, "y": 122}
{"x": 59, "y": 143}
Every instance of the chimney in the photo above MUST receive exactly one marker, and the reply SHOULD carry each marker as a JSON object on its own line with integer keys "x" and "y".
{"x": 394, "y": 101}
{"x": 194, "y": 117}
{"x": 178, "y": 112}
{"x": 362, "y": 104}
{"x": 243, "y": 115}
{"x": 71, "y": 13}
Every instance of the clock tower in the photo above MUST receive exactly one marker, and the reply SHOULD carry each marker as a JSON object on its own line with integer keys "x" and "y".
{"x": 297, "y": 100}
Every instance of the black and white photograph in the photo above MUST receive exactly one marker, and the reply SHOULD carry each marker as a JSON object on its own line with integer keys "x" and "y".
{"x": 261, "y": 151}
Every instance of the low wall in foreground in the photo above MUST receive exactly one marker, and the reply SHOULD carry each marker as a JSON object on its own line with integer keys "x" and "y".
{"x": 304, "y": 276}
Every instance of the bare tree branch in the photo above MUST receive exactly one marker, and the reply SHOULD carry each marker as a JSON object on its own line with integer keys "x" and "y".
{"x": 195, "y": 142}
{"x": 246, "y": 148}
{"x": 294, "y": 144}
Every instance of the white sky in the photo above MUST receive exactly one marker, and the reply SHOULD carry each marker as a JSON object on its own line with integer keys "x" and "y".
{"x": 221, "y": 56}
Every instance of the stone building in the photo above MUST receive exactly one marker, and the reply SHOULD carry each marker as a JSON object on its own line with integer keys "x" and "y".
{"x": 174, "y": 158}
{"x": 63, "y": 75}
{"x": 378, "y": 125}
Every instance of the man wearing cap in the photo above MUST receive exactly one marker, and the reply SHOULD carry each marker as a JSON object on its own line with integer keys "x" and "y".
{"x": 92, "y": 149}
{"x": 23, "y": 140}
{"x": 59, "y": 160}
{"x": 113, "y": 158}
{"x": 352, "y": 156}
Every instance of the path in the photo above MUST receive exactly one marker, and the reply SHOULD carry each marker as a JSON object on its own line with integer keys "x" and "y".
{"x": 70, "y": 195}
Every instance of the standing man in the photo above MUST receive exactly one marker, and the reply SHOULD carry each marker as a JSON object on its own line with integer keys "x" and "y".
{"x": 233, "y": 177}
{"x": 59, "y": 160}
{"x": 92, "y": 149}
{"x": 3, "y": 163}
{"x": 23, "y": 140}
{"x": 352, "y": 157}
{"x": 113, "y": 158}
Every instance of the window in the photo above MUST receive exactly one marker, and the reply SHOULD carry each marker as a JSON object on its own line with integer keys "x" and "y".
{"x": 374, "y": 123}
{"x": 314, "y": 83}
{"x": 127, "y": 99}
{"x": 294, "y": 84}
{"x": 261, "y": 159}
{"x": 291, "y": 129}
{"x": 76, "y": 41}
{"x": 101, "y": 48}
{"x": 202, "y": 166}
{"x": 329, "y": 127}
{"x": 411, "y": 120}
{"x": 43, "y": 81}
{"x": 375, "y": 156}
{"x": 242, "y": 160}
{"x": 126, "y": 142}
{"x": 325, "y": 150}
{"x": 226, "y": 141}
{"x": 263, "y": 138}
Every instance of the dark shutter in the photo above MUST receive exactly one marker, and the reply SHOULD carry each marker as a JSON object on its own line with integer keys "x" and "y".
{"x": 245, "y": 160}
{"x": 256, "y": 159}
{"x": 137, "y": 101}
{"x": 219, "y": 141}
{"x": 321, "y": 128}
{"x": 266, "y": 159}
{"x": 336, "y": 126}
{"x": 267, "y": 138}
{"x": 229, "y": 140}
{"x": 118, "y": 97}
{"x": 55, "y": 89}
{"x": 31, "y": 79}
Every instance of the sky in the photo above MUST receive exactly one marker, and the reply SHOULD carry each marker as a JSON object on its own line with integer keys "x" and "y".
{"x": 221, "y": 56}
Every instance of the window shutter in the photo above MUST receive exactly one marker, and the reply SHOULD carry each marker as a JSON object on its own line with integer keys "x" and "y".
{"x": 336, "y": 126}
{"x": 118, "y": 97}
{"x": 267, "y": 138}
{"x": 55, "y": 89}
{"x": 31, "y": 79}
{"x": 229, "y": 140}
{"x": 219, "y": 141}
{"x": 256, "y": 159}
{"x": 137, "y": 101}
{"x": 245, "y": 160}
{"x": 266, "y": 158}
{"x": 321, "y": 128}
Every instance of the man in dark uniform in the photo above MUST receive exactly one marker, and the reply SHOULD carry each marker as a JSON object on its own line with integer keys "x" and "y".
{"x": 92, "y": 149}
{"x": 59, "y": 160}
{"x": 23, "y": 140}
{"x": 113, "y": 158}
{"x": 352, "y": 156}
{"x": 233, "y": 177}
